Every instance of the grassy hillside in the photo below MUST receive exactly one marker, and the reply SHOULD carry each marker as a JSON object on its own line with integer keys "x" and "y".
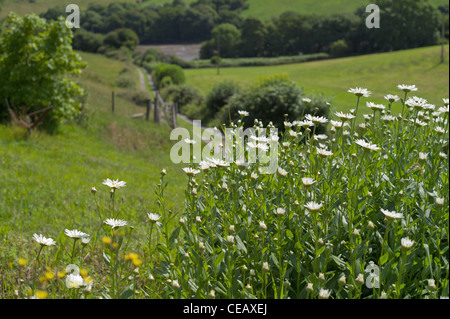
{"x": 46, "y": 179}
{"x": 380, "y": 73}
{"x": 268, "y": 8}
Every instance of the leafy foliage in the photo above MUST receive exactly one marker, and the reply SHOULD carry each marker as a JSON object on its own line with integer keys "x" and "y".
{"x": 36, "y": 67}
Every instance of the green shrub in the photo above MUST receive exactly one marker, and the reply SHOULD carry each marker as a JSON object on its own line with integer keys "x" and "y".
{"x": 122, "y": 37}
{"x": 182, "y": 95}
{"x": 174, "y": 72}
{"x": 221, "y": 94}
{"x": 339, "y": 48}
{"x": 270, "y": 98}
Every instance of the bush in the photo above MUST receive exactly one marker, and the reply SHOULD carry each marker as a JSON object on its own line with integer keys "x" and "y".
{"x": 221, "y": 94}
{"x": 127, "y": 78}
{"x": 38, "y": 67}
{"x": 122, "y": 37}
{"x": 182, "y": 95}
{"x": 87, "y": 41}
{"x": 174, "y": 72}
{"x": 339, "y": 48}
{"x": 270, "y": 98}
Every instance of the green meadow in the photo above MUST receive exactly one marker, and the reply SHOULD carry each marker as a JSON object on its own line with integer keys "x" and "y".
{"x": 379, "y": 73}
{"x": 47, "y": 179}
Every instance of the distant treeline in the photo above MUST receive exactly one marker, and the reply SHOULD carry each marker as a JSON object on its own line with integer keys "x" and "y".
{"x": 224, "y": 31}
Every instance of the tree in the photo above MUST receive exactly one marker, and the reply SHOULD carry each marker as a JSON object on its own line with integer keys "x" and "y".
{"x": 225, "y": 37}
{"x": 403, "y": 25}
{"x": 253, "y": 37}
{"x": 37, "y": 63}
{"x": 122, "y": 37}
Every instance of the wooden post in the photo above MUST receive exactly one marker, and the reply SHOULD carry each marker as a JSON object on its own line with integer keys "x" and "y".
{"x": 443, "y": 37}
{"x": 112, "y": 101}
{"x": 156, "y": 115}
{"x": 174, "y": 114}
{"x": 149, "y": 105}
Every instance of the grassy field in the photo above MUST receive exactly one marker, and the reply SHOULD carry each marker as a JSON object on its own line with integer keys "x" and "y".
{"x": 46, "y": 179}
{"x": 379, "y": 73}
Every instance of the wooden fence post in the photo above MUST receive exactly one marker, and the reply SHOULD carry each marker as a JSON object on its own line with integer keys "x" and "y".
{"x": 174, "y": 114}
{"x": 149, "y": 105}
{"x": 112, "y": 101}
{"x": 156, "y": 111}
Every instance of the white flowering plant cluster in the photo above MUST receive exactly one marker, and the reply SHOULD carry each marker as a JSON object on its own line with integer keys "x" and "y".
{"x": 364, "y": 194}
{"x": 367, "y": 193}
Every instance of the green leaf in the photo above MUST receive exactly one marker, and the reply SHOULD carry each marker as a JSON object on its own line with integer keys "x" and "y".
{"x": 107, "y": 259}
{"x": 384, "y": 259}
{"x": 127, "y": 293}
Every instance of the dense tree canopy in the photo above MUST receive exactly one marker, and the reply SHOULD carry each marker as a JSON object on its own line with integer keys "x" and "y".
{"x": 37, "y": 63}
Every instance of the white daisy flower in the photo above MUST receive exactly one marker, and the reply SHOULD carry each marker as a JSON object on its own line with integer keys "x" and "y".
{"x": 74, "y": 281}
{"x": 407, "y": 243}
{"x": 190, "y": 171}
{"x": 303, "y": 123}
{"x": 280, "y": 211}
{"x": 115, "y": 223}
{"x": 85, "y": 240}
{"x": 416, "y": 102}
{"x": 407, "y": 88}
{"x": 316, "y": 119}
{"x": 41, "y": 240}
{"x": 218, "y": 162}
{"x": 445, "y": 101}
{"x": 75, "y": 234}
{"x": 282, "y": 171}
{"x": 391, "y": 98}
{"x": 153, "y": 217}
{"x": 308, "y": 181}
{"x": 368, "y": 146}
{"x": 320, "y": 137}
{"x": 313, "y": 206}
{"x": 324, "y": 293}
{"x": 419, "y": 123}
{"x": 444, "y": 109}
{"x": 391, "y": 215}
{"x": 306, "y": 100}
{"x": 360, "y": 92}
{"x": 204, "y": 166}
{"x": 344, "y": 116}
{"x": 375, "y": 107}
{"x": 388, "y": 118}
{"x": 323, "y": 152}
{"x": 243, "y": 113}
{"x": 115, "y": 184}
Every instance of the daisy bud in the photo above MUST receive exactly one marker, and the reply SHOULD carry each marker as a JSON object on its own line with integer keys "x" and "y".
{"x": 371, "y": 225}
{"x": 175, "y": 284}
{"x": 431, "y": 284}
{"x": 321, "y": 277}
{"x": 360, "y": 279}
{"x": 163, "y": 172}
{"x": 310, "y": 287}
{"x": 265, "y": 266}
{"x": 93, "y": 190}
{"x": 342, "y": 280}
{"x": 439, "y": 201}
{"x": 212, "y": 294}
{"x": 198, "y": 219}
